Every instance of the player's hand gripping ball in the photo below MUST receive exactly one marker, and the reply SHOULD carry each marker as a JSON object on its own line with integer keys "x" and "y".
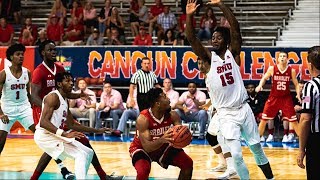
{"x": 182, "y": 136}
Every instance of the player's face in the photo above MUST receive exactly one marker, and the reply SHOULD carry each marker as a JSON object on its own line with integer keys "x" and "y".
{"x": 18, "y": 57}
{"x": 192, "y": 88}
{"x": 283, "y": 58}
{"x": 50, "y": 52}
{"x": 107, "y": 88}
{"x": 67, "y": 84}
{"x": 202, "y": 66}
{"x": 217, "y": 41}
{"x": 164, "y": 102}
{"x": 82, "y": 84}
{"x": 167, "y": 84}
{"x": 145, "y": 64}
{"x": 250, "y": 89}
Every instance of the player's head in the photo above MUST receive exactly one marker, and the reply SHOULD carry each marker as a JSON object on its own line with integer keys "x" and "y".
{"x": 251, "y": 88}
{"x": 203, "y": 66}
{"x": 64, "y": 81}
{"x": 167, "y": 84}
{"x": 283, "y": 57}
{"x": 145, "y": 63}
{"x": 192, "y": 87}
{"x": 15, "y": 53}
{"x": 220, "y": 39}
{"x": 301, "y": 84}
{"x": 158, "y": 98}
{"x": 47, "y": 50}
{"x": 314, "y": 60}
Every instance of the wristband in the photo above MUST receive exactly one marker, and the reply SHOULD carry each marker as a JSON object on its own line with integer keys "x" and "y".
{"x": 59, "y": 132}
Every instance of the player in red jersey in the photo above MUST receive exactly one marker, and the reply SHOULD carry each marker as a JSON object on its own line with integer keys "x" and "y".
{"x": 280, "y": 97}
{"x": 154, "y": 136}
{"x": 42, "y": 83}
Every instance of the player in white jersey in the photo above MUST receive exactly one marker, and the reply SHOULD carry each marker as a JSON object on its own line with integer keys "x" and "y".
{"x": 51, "y": 138}
{"x": 15, "y": 89}
{"x": 226, "y": 89}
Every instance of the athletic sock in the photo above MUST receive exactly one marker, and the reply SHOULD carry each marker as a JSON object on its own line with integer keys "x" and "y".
{"x": 271, "y": 131}
{"x": 221, "y": 158}
{"x": 285, "y": 131}
{"x": 266, "y": 169}
{"x": 291, "y": 131}
{"x": 100, "y": 172}
{"x": 36, "y": 174}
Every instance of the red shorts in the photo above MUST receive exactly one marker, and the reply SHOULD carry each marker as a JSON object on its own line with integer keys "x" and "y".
{"x": 275, "y": 104}
{"x": 36, "y": 114}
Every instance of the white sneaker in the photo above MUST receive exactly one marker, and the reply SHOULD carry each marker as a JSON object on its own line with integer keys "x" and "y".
{"x": 290, "y": 138}
{"x": 228, "y": 174}
{"x": 262, "y": 139}
{"x": 285, "y": 138}
{"x": 219, "y": 168}
{"x": 270, "y": 138}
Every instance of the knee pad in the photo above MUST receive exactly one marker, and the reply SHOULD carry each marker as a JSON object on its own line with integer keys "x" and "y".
{"x": 258, "y": 154}
{"x": 212, "y": 140}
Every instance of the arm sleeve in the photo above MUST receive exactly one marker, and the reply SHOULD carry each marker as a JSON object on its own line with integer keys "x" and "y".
{"x": 134, "y": 78}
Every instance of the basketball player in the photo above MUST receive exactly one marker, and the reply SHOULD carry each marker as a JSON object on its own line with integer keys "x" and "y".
{"x": 153, "y": 136}
{"x": 280, "y": 97}
{"x": 42, "y": 84}
{"x": 227, "y": 92}
{"x": 15, "y": 98}
{"x": 50, "y": 136}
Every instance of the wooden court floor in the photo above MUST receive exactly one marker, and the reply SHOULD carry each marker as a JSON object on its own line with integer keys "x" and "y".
{"x": 22, "y": 155}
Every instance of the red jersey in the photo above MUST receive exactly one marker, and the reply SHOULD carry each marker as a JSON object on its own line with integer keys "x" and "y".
{"x": 156, "y": 10}
{"x": 44, "y": 77}
{"x": 281, "y": 82}
{"x": 156, "y": 129}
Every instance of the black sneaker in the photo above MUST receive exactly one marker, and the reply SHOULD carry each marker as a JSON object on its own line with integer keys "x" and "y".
{"x": 114, "y": 177}
{"x": 67, "y": 174}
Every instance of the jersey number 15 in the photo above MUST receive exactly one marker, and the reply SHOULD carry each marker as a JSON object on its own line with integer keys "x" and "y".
{"x": 226, "y": 79}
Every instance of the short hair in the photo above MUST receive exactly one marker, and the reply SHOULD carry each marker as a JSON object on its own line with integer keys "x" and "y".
{"x": 192, "y": 82}
{"x": 154, "y": 95}
{"x": 14, "y": 48}
{"x": 43, "y": 45}
{"x": 225, "y": 32}
{"x": 285, "y": 52}
{"x": 59, "y": 77}
{"x": 314, "y": 56}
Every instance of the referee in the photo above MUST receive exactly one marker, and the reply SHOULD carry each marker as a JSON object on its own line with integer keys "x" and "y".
{"x": 309, "y": 139}
{"x": 143, "y": 80}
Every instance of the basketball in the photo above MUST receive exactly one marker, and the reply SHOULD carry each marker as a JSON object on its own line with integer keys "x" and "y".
{"x": 182, "y": 136}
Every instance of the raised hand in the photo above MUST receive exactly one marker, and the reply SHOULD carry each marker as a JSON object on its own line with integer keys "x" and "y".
{"x": 214, "y": 2}
{"x": 191, "y": 6}
{"x": 74, "y": 134}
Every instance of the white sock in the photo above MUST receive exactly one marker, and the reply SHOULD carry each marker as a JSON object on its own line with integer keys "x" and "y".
{"x": 230, "y": 163}
{"x": 61, "y": 165}
{"x": 221, "y": 158}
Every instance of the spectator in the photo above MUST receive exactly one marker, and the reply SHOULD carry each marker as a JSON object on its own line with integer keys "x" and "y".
{"x": 224, "y": 22}
{"x": 42, "y": 37}
{"x": 84, "y": 108}
{"x": 111, "y": 105}
{"x": 59, "y": 11}
{"x": 115, "y": 21}
{"x": 256, "y": 101}
{"x": 189, "y": 107}
{"x": 26, "y": 39}
{"x": 171, "y": 94}
{"x": 77, "y": 11}
{"x": 155, "y": 10}
{"x": 90, "y": 17}
{"x": 166, "y": 20}
{"x": 95, "y": 39}
{"x": 184, "y": 4}
{"x": 131, "y": 113}
{"x": 74, "y": 33}
{"x": 182, "y": 26}
{"x": 143, "y": 17}
{"x": 207, "y": 24}
{"x": 55, "y": 30}
{"x": 116, "y": 38}
{"x": 142, "y": 39}
{"x": 15, "y": 9}
{"x": 169, "y": 39}
{"x": 105, "y": 13}
{"x": 31, "y": 27}
{"x": 6, "y": 33}
{"x": 133, "y": 10}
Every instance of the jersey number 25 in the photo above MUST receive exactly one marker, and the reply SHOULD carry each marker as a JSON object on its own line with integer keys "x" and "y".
{"x": 226, "y": 79}
{"x": 281, "y": 85}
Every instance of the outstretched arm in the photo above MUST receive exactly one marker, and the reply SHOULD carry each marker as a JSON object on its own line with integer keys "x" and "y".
{"x": 196, "y": 45}
{"x": 296, "y": 84}
{"x": 235, "y": 44}
{"x": 264, "y": 79}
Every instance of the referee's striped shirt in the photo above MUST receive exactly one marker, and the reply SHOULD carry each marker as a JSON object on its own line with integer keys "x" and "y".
{"x": 144, "y": 80}
{"x": 311, "y": 102}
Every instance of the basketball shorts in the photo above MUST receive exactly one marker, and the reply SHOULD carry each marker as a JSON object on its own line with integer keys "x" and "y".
{"x": 22, "y": 114}
{"x": 213, "y": 127}
{"x": 275, "y": 104}
{"x": 237, "y": 122}
{"x": 36, "y": 114}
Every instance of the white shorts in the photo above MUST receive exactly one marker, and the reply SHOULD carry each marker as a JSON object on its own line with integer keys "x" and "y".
{"x": 23, "y": 114}
{"x": 234, "y": 123}
{"x": 213, "y": 127}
